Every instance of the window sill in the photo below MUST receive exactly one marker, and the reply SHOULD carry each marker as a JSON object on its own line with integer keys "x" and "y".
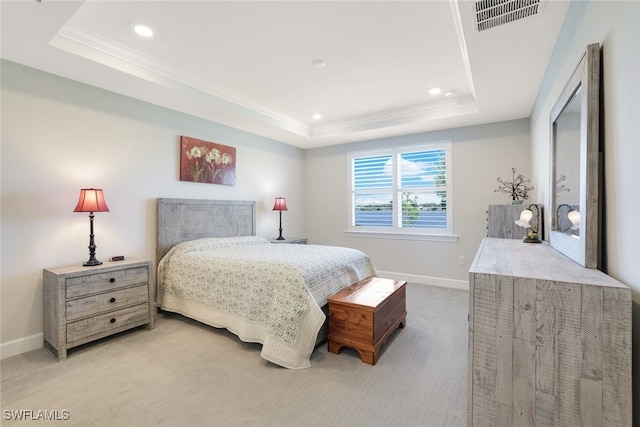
{"x": 450, "y": 238}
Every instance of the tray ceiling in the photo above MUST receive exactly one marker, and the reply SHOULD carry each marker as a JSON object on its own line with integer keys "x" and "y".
{"x": 267, "y": 67}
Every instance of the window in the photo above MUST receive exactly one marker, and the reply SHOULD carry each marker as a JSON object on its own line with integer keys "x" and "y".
{"x": 402, "y": 190}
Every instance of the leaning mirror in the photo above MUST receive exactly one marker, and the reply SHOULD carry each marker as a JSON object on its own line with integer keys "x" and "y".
{"x": 575, "y": 164}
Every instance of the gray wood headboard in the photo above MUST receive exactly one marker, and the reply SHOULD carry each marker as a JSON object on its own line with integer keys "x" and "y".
{"x": 180, "y": 220}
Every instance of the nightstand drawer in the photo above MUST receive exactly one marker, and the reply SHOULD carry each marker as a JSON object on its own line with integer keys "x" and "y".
{"x": 97, "y": 325}
{"x": 94, "y": 283}
{"x": 96, "y": 304}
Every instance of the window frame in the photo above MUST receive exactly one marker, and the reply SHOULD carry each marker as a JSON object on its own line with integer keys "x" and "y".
{"x": 395, "y": 231}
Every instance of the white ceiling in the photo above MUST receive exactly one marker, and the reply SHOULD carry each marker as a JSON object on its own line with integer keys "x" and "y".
{"x": 249, "y": 64}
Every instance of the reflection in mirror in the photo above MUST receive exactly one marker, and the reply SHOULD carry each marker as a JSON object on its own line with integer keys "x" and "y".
{"x": 568, "y": 220}
{"x": 567, "y": 167}
{"x": 575, "y": 164}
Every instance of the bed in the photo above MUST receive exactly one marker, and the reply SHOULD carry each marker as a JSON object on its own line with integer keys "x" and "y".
{"x": 214, "y": 269}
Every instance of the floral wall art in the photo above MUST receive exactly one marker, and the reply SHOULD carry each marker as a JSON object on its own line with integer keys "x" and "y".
{"x": 208, "y": 162}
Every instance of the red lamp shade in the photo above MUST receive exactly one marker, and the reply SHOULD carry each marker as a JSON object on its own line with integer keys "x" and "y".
{"x": 280, "y": 205}
{"x": 92, "y": 200}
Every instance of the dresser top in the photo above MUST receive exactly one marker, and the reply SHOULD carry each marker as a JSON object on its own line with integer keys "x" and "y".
{"x": 512, "y": 257}
{"x": 106, "y": 266}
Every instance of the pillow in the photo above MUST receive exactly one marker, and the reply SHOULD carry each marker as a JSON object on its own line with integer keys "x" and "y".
{"x": 209, "y": 243}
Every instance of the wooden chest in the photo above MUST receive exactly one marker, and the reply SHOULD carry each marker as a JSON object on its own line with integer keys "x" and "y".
{"x": 364, "y": 315}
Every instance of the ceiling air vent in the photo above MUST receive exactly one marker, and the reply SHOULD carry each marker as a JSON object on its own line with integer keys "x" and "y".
{"x": 493, "y": 13}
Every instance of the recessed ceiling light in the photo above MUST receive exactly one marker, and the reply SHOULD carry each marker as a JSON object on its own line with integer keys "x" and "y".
{"x": 435, "y": 90}
{"x": 143, "y": 30}
{"x": 450, "y": 94}
{"x": 316, "y": 116}
{"x": 319, "y": 63}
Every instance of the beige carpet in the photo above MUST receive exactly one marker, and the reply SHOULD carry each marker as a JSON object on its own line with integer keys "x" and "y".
{"x": 186, "y": 374}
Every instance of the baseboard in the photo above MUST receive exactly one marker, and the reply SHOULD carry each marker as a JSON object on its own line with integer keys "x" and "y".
{"x": 426, "y": 280}
{"x": 21, "y": 345}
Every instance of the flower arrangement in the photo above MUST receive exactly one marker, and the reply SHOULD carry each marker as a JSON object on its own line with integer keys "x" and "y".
{"x": 518, "y": 188}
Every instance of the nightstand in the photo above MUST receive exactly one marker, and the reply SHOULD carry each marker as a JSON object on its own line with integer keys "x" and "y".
{"x": 83, "y": 304}
{"x": 302, "y": 241}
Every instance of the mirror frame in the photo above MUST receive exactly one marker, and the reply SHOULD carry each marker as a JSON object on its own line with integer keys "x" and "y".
{"x": 585, "y": 250}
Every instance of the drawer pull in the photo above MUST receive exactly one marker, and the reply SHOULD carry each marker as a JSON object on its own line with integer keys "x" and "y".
{"x": 112, "y": 300}
{"x": 112, "y": 321}
{"x": 112, "y": 280}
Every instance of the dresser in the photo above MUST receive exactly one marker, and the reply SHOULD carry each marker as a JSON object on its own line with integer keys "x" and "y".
{"x": 549, "y": 340}
{"x": 83, "y": 304}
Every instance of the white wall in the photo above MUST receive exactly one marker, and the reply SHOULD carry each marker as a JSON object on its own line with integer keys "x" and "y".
{"x": 479, "y": 155}
{"x": 616, "y": 26}
{"x": 59, "y": 136}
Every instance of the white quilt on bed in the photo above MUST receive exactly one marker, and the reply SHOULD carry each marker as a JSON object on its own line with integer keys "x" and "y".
{"x": 262, "y": 292}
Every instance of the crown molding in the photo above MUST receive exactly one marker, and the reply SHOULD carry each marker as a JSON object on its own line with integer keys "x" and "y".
{"x": 92, "y": 46}
{"x": 398, "y": 117}
{"x": 83, "y": 42}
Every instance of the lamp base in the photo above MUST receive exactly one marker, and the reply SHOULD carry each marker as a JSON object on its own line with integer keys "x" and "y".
{"x": 528, "y": 240}
{"x": 92, "y": 245}
{"x": 280, "y": 229}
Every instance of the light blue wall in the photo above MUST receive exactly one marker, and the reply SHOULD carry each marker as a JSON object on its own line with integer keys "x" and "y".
{"x": 59, "y": 136}
{"x": 616, "y": 26}
{"x": 480, "y": 154}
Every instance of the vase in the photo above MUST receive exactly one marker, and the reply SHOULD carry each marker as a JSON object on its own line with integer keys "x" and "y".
{"x": 517, "y": 202}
